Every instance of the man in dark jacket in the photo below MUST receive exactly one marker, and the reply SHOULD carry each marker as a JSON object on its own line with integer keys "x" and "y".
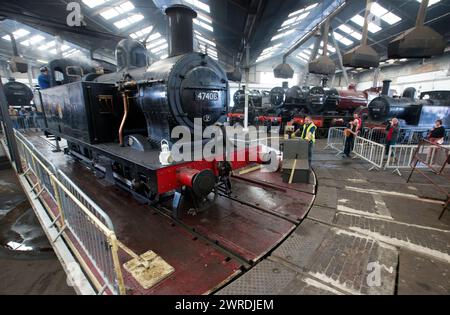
{"x": 437, "y": 135}
{"x": 392, "y": 133}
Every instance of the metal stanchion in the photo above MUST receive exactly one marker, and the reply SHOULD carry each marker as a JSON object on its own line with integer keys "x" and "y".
{"x": 12, "y": 145}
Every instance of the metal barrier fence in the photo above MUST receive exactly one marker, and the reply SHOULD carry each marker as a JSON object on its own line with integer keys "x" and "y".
{"x": 28, "y": 122}
{"x": 336, "y": 139}
{"x": 370, "y": 151}
{"x": 3, "y": 140}
{"x": 407, "y": 136}
{"x": 90, "y": 228}
{"x": 401, "y": 157}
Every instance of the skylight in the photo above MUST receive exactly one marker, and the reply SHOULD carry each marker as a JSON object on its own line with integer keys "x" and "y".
{"x": 94, "y": 3}
{"x": 304, "y": 55}
{"x": 159, "y": 48}
{"x": 284, "y": 34}
{"x": 384, "y": 14}
{"x": 33, "y": 40}
{"x": 128, "y": 21}
{"x": 205, "y": 40}
{"x": 432, "y": 2}
{"x": 17, "y": 34}
{"x": 141, "y": 33}
{"x": 117, "y": 10}
{"x": 204, "y": 23}
{"x": 199, "y": 4}
{"x": 295, "y": 20}
{"x": 265, "y": 57}
{"x": 308, "y": 8}
{"x": 344, "y": 40}
{"x": 47, "y": 45}
{"x": 157, "y": 43}
{"x": 71, "y": 52}
{"x": 329, "y": 47}
{"x": 154, "y": 37}
{"x": 350, "y": 31}
{"x": 373, "y": 28}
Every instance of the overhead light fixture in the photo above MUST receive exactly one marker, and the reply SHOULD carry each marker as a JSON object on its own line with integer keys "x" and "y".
{"x": 364, "y": 56}
{"x": 420, "y": 41}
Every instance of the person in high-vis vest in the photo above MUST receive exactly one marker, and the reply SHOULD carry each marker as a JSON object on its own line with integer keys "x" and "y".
{"x": 308, "y": 133}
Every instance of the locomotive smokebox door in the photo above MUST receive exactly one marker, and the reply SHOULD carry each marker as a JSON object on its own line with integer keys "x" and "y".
{"x": 203, "y": 95}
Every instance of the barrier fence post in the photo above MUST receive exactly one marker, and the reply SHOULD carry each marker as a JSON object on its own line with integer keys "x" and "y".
{"x": 9, "y": 132}
{"x": 117, "y": 265}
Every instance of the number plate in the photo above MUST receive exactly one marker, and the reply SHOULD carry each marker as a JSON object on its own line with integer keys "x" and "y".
{"x": 207, "y": 96}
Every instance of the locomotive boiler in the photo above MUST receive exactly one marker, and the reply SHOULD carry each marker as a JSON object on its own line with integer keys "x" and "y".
{"x": 331, "y": 100}
{"x": 255, "y": 106}
{"x": 117, "y": 123}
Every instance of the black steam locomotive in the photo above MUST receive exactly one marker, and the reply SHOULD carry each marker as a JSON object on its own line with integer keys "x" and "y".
{"x": 18, "y": 94}
{"x": 422, "y": 112}
{"x": 117, "y": 122}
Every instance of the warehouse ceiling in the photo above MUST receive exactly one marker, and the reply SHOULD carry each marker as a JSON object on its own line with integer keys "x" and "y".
{"x": 224, "y": 28}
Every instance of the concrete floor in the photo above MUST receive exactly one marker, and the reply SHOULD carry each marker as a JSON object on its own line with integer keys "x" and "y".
{"x": 367, "y": 233}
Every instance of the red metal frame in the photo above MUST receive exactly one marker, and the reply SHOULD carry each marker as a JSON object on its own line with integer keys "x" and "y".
{"x": 417, "y": 159}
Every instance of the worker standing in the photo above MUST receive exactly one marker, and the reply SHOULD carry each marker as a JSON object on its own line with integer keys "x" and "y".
{"x": 392, "y": 134}
{"x": 44, "y": 79}
{"x": 354, "y": 131}
{"x": 309, "y": 135}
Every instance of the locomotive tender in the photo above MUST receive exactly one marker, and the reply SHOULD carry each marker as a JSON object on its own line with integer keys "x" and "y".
{"x": 116, "y": 122}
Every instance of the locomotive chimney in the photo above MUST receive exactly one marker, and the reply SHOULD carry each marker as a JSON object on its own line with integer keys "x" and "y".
{"x": 181, "y": 35}
{"x": 386, "y": 87}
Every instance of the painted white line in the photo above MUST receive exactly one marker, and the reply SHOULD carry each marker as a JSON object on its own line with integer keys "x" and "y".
{"x": 341, "y": 286}
{"x": 345, "y": 209}
{"x": 357, "y": 181}
{"x": 404, "y": 244}
{"x": 362, "y": 236}
{"x": 428, "y": 228}
{"x": 393, "y": 193}
{"x": 313, "y": 283}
